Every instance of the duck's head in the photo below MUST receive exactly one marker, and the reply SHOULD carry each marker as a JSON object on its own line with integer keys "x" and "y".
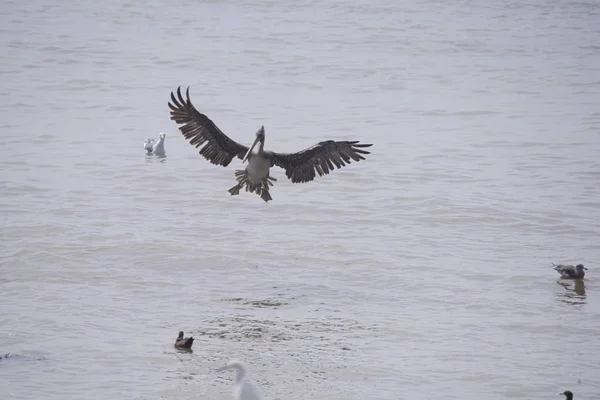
{"x": 568, "y": 394}
{"x": 580, "y": 267}
{"x": 162, "y": 135}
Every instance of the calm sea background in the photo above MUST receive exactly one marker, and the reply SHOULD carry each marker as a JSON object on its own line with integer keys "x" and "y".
{"x": 423, "y": 272}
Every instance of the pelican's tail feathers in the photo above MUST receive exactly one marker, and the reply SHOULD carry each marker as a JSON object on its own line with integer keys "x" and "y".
{"x": 261, "y": 189}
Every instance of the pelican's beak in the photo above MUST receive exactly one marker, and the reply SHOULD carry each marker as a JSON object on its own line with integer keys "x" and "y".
{"x": 223, "y": 368}
{"x": 585, "y": 268}
{"x": 250, "y": 150}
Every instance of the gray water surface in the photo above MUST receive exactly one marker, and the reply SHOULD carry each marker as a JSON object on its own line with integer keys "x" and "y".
{"x": 423, "y": 272}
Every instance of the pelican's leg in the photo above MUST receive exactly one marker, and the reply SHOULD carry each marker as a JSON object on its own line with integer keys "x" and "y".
{"x": 235, "y": 190}
{"x": 262, "y": 189}
{"x": 265, "y": 195}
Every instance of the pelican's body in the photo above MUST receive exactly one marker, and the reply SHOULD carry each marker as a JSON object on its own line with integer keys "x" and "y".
{"x": 155, "y": 147}
{"x": 258, "y": 168}
{"x": 219, "y": 149}
{"x": 570, "y": 271}
{"x": 242, "y": 388}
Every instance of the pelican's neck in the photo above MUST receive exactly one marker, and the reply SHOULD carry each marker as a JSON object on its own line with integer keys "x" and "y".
{"x": 160, "y": 140}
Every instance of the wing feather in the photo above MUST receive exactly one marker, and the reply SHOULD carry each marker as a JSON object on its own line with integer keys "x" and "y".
{"x": 321, "y": 159}
{"x": 569, "y": 272}
{"x": 202, "y": 132}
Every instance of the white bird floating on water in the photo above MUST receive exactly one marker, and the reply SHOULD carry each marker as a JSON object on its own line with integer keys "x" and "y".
{"x": 153, "y": 147}
{"x": 567, "y": 271}
{"x": 242, "y": 388}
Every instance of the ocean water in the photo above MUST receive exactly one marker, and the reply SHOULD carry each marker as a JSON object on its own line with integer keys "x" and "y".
{"x": 423, "y": 272}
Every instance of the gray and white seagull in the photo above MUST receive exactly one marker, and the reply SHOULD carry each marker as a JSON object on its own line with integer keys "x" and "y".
{"x": 567, "y": 271}
{"x": 155, "y": 147}
{"x": 219, "y": 149}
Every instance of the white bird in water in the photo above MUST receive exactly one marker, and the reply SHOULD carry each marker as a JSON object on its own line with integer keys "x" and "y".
{"x": 153, "y": 147}
{"x": 242, "y": 388}
{"x": 570, "y": 271}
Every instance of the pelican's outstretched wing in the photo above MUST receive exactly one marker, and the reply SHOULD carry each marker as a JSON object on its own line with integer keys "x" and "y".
{"x": 322, "y": 158}
{"x": 201, "y": 131}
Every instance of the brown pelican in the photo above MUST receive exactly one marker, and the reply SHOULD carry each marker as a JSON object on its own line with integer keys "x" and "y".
{"x": 219, "y": 149}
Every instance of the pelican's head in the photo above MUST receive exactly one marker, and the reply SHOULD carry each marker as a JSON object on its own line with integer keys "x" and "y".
{"x": 260, "y": 134}
{"x": 580, "y": 267}
{"x": 260, "y": 138}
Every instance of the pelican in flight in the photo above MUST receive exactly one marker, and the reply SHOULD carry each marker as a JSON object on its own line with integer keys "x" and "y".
{"x": 219, "y": 149}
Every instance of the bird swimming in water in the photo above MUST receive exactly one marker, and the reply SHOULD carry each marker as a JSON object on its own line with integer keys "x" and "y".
{"x": 242, "y": 388}
{"x": 153, "y": 147}
{"x": 568, "y": 394}
{"x": 567, "y": 271}
{"x": 219, "y": 149}
{"x": 183, "y": 343}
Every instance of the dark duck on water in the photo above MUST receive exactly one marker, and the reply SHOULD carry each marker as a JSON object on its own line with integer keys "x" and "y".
{"x": 567, "y": 271}
{"x": 184, "y": 343}
{"x": 568, "y": 394}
